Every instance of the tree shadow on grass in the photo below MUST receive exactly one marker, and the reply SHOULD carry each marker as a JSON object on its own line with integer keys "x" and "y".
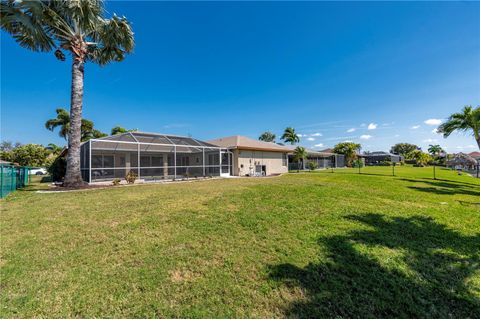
{"x": 428, "y": 278}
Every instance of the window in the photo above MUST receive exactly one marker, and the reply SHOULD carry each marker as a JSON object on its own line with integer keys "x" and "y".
{"x": 284, "y": 159}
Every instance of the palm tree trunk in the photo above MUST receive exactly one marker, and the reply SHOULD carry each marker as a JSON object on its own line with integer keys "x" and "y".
{"x": 477, "y": 138}
{"x": 73, "y": 176}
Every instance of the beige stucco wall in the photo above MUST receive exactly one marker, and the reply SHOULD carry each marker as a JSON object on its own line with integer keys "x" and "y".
{"x": 248, "y": 159}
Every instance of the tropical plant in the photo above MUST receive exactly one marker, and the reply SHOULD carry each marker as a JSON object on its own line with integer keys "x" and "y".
{"x": 7, "y": 146}
{"x": 290, "y": 136}
{"x": 62, "y": 121}
{"x": 131, "y": 177}
{"x": 299, "y": 154}
{"x": 403, "y": 148}
{"x": 349, "y": 149}
{"x": 119, "y": 130}
{"x": 466, "y": 120}
{"x": 77, "y": 27}
{"x": 267, "y": 137}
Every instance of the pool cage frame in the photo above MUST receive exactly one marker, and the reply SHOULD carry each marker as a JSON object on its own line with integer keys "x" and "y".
{"x": 152, "y": 157}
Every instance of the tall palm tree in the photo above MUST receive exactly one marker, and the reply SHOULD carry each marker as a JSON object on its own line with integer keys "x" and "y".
{"x": 299, "y": 154}
{"x": 468, "y": 119}
{"x": 77, "y": 27}
{"x": 290, "y": 136}
{"x": 63, "y": 122}
{"x": 267, "y": 137}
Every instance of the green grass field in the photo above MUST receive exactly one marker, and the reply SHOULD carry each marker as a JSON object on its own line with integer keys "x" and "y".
{"x": 307, "y": 245}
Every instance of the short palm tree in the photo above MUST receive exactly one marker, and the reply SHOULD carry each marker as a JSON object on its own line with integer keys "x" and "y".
{"x": 299, "y": 155}
{"x": 468, "y": 119}
{"x": 77, "y": 27}
{"x": 290, "y": 136}
{"x": 63, "y": 122}
{"x": 54, "y": 148}
{"x": 267, "y": 137}
{"x": 435, "y": 150}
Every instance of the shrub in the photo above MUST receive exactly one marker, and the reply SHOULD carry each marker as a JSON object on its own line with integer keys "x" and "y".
{"x": 131, "y": 177}
{"x": 385, "y": 163}
{"x": 357, "y": 163}
{"x": 116, "y": 182}
{"x": 312, "y": 166}
{"x": 57, "y": 169}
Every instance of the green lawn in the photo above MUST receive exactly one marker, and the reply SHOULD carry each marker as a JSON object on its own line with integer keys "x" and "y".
{"x": 308, "y": 245}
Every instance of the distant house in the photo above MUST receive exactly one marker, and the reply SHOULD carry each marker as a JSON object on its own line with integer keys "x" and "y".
{"x": 462, "y": 161}
{"x": 376, "y": 158}
{"x": 322, "y": 159}
{"x": 475, "y": 155}
{"x": 253, "y": 157}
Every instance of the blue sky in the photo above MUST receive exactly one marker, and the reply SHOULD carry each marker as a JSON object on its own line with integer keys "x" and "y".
{"x": 373, "y": 73}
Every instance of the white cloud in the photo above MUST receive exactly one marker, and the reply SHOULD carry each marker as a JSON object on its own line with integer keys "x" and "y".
{"x": 430, "y": 140}
{"x": 372, "y": 126}
{"x": 350, "y": 130}
{"x": 310, "y": 139}
{"x": 397, "y": 135}
{"x": 433, "y": 122}
{"x": 316, "y": 134}
{"x": 301, "y": 135}
{"x": 415, "y": 127}
{"x": 318, "y": 145}
{"x": 435, "y": 131}
{"x": 365, "y": 137}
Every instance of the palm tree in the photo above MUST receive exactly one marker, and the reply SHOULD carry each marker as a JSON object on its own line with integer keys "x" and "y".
{"x": 435, "y": 150}
{"x": 119, "y": 130}
{"x": 299, "y": 154}
{"x": 349, "y": 149}
{"x": 289, "y": 136}
{"x": 267, "y": 137}
{"x": 77, "y": 27}
{"x": 468, "y": 119}
{"x": 54, "y": 148}
{"x": 63, "y": 122}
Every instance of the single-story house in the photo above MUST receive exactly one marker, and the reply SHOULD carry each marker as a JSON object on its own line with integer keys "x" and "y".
{"x": 475, "y": 155}
{"x": 376, "y": 158}
{"x": 253, "y": 157}
{"x": 462, "y": 161}
{"x": 322, "y": 159}
{"x": 152, "y": 157}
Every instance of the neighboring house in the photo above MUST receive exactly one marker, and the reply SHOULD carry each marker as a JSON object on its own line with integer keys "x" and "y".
{"x": 376, "y": 158}
{"x": 152, "y": 157}
{"x": 253, "y": 157}
{"x": 462, "y": 161}
{"x": 475, "y": 155}
{"x": 323, "y": 159}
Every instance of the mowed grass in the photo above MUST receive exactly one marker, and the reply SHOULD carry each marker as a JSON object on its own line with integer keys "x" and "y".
{"x": 307, "y": 245}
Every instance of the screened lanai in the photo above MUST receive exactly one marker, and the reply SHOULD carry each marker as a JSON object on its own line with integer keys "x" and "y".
{"x": 152, "y": 157}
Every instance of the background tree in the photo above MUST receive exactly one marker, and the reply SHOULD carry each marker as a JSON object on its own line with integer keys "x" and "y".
{"x": 267, "y": 137}
{"x": 30, "y": 155}
{"x": 7, "y": 146}
{"x": 467, "y": 120}
{"x": 62, "y": 121}
{"x": 421, "y": 158}
{"x": 76, "y": 27}
{"x": 119, "y": 130}
{"x": 299, "y": 155}
{"x": 403, "y": 148}
{"x": 290, "y": 136}
{"x": 349, "y": 149}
